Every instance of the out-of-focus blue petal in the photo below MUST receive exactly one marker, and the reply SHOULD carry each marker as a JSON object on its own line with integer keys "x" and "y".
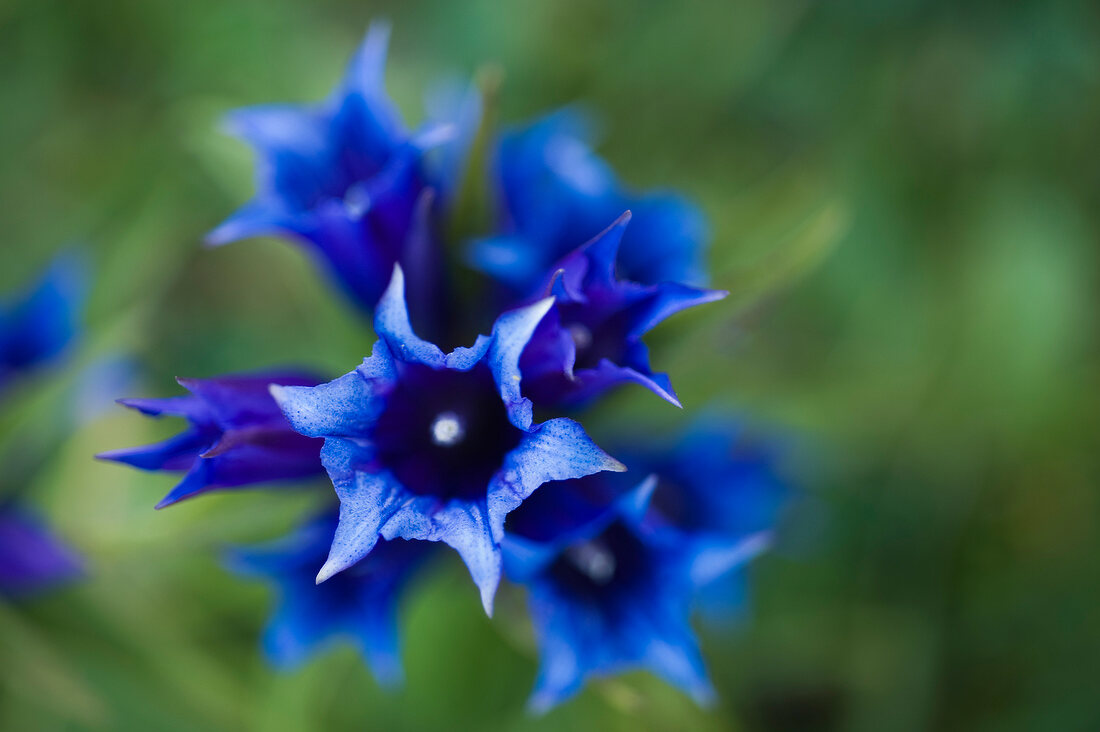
{"x": 31, "y": 559}
{"x": 359, "y": 606}
{"x": 556, "y": 193}
{"x": 36, "y": 326}
{"x": 343, "y": 177}
{"x": 455, "y": 105}
{"x": 611, "y": 595}
{"x": 666, "y": 241}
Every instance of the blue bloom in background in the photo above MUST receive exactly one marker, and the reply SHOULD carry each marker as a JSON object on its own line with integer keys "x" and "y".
{"x": 32, "y": 559}
{"x": 360, "y": 605}
{"x": 723, "y": 488}
{"x": 592, "y": 339}
{"x": 345, "y": 177}
{"x": 438, "y": 447}
{"x": 237, "y": 436}
{"x": 609, "y": 589}
{"x": 556, "y": 193}
{"x": 38, "y": 325}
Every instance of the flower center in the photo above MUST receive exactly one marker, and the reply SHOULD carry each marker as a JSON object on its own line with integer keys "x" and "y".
{"x": 357, "y": 199}
{"x": 594, "y": 560}
{"x": 448, "y": 429}
{"x": 581, "y": 335}
{"x": 444, "y": 433}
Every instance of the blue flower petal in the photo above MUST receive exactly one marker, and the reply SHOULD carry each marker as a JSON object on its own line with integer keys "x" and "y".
{"x": 367, "y": 502}
{"x": 31, "y": 558}
{"x": 391, "y": 323}
{"x": 360, "y": 605}
{"x": 511, "y": 334}
{"x": 606, "y": 375}
{"x": 345, "y": 406}
{"x": 663, "y": 641}
{"x": 178, "y": 406}
{"x": 523, "y": 559}
{"x": 567, "y": 637}
{"x": 558, "y": 449}
{"x": 716, "y": 558}
{"x": 37, "y": 325}
{"x": 255, "y": 218}
{"x": 175, "y": 453}
{"x": 668, "y": 299}
{"x": 465, "y": 527}
{"x": 196, "y": 481}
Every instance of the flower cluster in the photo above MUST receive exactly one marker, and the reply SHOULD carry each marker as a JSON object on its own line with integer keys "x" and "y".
{"x": 469, "y": 449}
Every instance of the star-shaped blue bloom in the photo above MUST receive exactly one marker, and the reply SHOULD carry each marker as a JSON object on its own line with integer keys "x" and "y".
{"x": 36, "y": 326}
{"x": 609, "y": 589}
{"x": 344, "y": 176}
{"x": 237, "y": 436}
{"x": 425, "y": 445}
{"x": 556, "y": 193}
{"x": 360, "y": 605}
{"x": 31, "y": 558}
{"x": 592, "y": 339}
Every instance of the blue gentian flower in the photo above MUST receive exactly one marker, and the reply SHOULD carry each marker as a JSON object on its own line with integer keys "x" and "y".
{"x": 592, "y": 339}
{"x": 556, "y": 193}
{"x": 715, "y": 478}
{"x": 722, "y": 488}
{"x": 36, "y": 327}
{"x": 360, "y": 605}
{"x": 31, "y": 558}
{"x": 344, "y": 177}
{"x": 439, "y": 447}
{"x": 609, "y": 589}
{"x": 237, "y": 436}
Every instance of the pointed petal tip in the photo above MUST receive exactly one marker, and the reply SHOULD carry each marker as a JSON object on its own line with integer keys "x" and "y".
{"x": 539, "y": 309}
{"x": 110, "y": 455}
{"x": 216, "y": 237}
{"x": 709, "y": 296}
{"x": 165, "y": 502}
{"x": 615, "y": 466}
{"x": 395, "y": 289}
{"x": 487, "y": 596}
{"x": 278, "y": 392}
{"x": 380, "y": 30}
{"x": 634, "y": 504}
{"x": 327, "y": 572}
{"x": 539, "y": 704}
{"x": 187, "y": 382}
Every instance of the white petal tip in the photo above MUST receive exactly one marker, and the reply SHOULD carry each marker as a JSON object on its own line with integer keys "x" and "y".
{"x": 487, "y": 602}
{"x": 327, "y": 572}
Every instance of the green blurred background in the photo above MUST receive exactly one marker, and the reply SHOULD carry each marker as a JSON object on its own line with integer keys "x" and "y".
{"x": 905, "y": 200}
